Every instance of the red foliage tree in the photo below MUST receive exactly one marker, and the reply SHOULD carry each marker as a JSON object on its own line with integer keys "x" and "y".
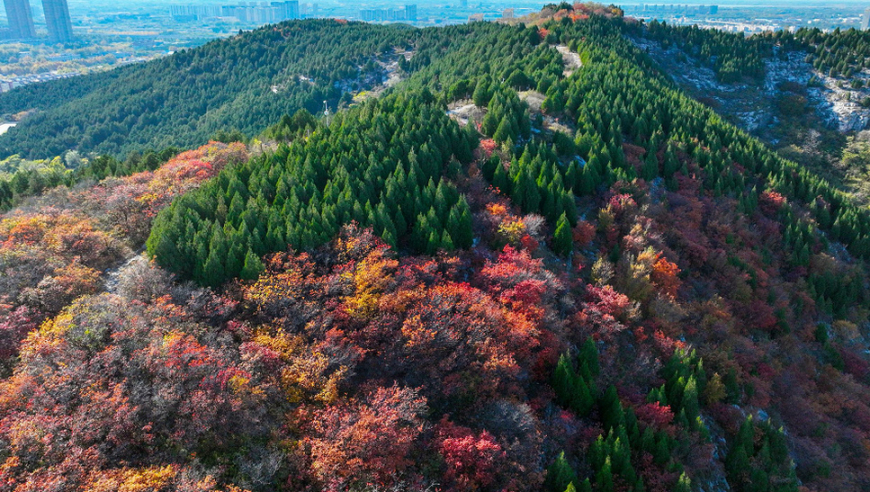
{"x": 14, "y": 326}
{"x": 665, "y": 275}
{"x": 473, "y": 460}
{"x": 366, "y": 441}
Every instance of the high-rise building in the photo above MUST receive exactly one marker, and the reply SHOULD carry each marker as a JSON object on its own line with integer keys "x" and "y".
{"x": 409, "y": 13}
{"x": 58, "y": 21}
{"x": 286, "y": 10}
{"x": 233, "y": 11}
{"x": 187, "y": 13}
{"x": 865, "y": 20}
{"x": 309, "y": 10}
{"x": 20, "y": 18}
{"x": 261, "y": 14}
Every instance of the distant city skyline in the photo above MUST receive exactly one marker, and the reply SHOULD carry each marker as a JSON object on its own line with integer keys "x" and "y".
{"x": 259, "y": 12}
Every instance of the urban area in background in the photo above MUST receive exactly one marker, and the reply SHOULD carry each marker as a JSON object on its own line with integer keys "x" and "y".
{"x": 49, "y": 39}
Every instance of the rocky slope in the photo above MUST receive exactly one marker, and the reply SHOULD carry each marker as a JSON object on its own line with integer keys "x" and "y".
{"x": 756, "y": 106}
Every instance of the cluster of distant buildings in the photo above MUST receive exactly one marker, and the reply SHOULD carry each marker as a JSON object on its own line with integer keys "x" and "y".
{"x": 681, "y": 9}
{"x": 8, "y": 85}
{"x": 271, "y": 12}
{"x": 20, "y": 18}
{"x": 247, "y": 12}
{"x": 408, "y": 13}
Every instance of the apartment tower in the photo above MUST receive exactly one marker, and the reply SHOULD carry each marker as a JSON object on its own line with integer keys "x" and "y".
{"x": 20, "y": 18}
{"x": 58, "y": 21}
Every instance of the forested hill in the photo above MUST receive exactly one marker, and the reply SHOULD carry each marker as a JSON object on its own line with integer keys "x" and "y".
{"x": 246, "y": 82}
{"x": 534, "y": 265}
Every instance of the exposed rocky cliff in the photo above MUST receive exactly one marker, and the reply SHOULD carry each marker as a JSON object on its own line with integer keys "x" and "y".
{"x": 758, "y": 106}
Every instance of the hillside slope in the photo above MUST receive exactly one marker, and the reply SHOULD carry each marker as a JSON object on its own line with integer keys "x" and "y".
{"x": 612, "y": 290}
{"x": 807, "y": 93}
{"x": 245, "y": 83}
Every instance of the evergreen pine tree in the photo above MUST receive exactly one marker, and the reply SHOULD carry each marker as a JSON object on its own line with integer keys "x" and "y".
{"x": 532, "y": 197}
{"x": 563, "y": 379}
{"x": 581, "y": 399}
{"x": 253, "y": 267}
{"x": 689, "y": 401}
{"x": 590, "y": 179}
{"x": 447, "y": 241}
{"x": 650, "y": 167}
{"x": 569, "y": 206}
{"x": 213, "y": 270}
{"x": 389, "y": 237}
{"x": 589, "y": 357}
{"x": 559, "y": 475}
{"x": 683, "y": 484}
{"x": 572, "y": 175}
{"x": 433, "y": 244}
{"x": 604, "y": 477}
{"x": 501, "y": 180}
{"x": 459, "y": 224}
{"x": 503, "y": 132}
{"x": 611, "y": 409}
{"x": 518, "y": 189}
{"x": 482, "y": 94}
{"x": 662, "y": 452}
{"x": 563, "y": 241}
{"x": 235, "y": 259}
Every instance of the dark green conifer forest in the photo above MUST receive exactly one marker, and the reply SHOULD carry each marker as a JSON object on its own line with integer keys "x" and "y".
{"x": 381, "y": 165}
